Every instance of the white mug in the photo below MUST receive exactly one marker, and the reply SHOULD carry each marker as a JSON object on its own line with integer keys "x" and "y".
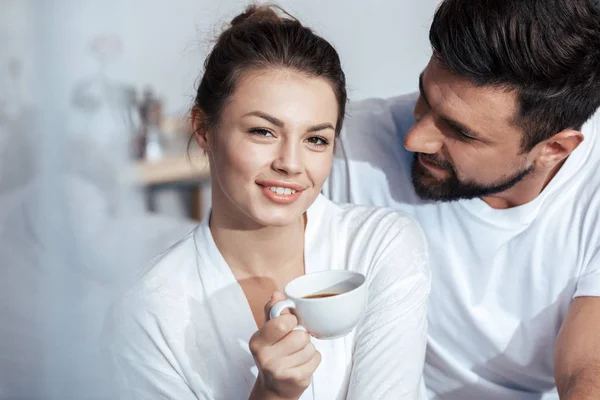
{"x": 325, "y": 317}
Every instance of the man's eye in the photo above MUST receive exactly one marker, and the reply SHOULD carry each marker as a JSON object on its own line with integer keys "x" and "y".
{"x": 462, "y": 135}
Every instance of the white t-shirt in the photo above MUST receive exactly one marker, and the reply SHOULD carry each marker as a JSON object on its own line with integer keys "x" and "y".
{"x": 182, "y": 331}
{"x": 502, "y": 280}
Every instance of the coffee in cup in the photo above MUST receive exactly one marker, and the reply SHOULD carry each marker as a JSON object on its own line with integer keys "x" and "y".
{"x": 328, "y": 304}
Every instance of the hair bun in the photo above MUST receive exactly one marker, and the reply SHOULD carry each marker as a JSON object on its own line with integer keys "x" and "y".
{"x": 262, "y": 13}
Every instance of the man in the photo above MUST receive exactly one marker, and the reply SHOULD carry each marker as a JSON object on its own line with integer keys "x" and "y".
{"x": 502, "y": 173}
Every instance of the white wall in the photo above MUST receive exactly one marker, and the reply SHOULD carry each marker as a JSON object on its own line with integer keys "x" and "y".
{"x": 383, "y": 43}
{"x": 16, "y": 39}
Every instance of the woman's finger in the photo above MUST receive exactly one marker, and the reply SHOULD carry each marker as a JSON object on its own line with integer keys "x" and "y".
{"x": 276, "y": 297}
{"x": 276, "y": 329}
{"x": 306, "y": 350}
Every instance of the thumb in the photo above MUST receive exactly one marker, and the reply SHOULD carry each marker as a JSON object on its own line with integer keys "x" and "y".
{"x": 276, "y": 297}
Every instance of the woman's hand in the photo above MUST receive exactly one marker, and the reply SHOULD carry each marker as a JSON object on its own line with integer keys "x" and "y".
{"x": 286, "y": 358}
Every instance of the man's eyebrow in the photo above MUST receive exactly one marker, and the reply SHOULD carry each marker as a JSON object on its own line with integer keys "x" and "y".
{"x": 460, "y": 128}
{"x": 422, "y": 89}
{"x": 456, "y": 126}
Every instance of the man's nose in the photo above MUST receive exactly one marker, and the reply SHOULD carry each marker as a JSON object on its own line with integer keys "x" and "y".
{"x": 424, "y": 137}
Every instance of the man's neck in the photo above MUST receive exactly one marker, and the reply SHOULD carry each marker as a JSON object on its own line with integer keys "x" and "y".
{"x": 524, "y": 191}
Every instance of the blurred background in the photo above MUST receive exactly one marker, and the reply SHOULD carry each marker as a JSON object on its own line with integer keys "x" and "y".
{"x": 95, "y": 178}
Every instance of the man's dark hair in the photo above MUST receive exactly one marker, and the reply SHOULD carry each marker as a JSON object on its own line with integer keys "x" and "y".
{"x": 548, "y": 51}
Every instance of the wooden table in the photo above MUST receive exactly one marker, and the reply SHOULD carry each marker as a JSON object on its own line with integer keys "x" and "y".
{"x": 185, "y": 169}
{"x": 174, "y": 169}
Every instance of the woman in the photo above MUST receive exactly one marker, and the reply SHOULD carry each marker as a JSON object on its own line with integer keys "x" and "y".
{"x": 268, "y": 110}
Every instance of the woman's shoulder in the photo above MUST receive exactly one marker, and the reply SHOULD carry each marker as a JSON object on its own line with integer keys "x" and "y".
{"x": 379, "y": 241}
{"x": 377, "y": 219}
{"x": 376, "y": 229}
{"x": 164, "y": 282}
{"x": 158, "y": 303}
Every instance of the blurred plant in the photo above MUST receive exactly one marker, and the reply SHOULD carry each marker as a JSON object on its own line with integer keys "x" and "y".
{"x": 91, "y": 93}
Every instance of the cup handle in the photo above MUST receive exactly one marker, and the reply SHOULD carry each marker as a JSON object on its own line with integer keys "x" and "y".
{"x": 278, "y": 308}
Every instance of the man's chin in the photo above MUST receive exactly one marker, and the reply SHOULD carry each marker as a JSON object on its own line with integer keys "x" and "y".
{"x": 428, "y": 187}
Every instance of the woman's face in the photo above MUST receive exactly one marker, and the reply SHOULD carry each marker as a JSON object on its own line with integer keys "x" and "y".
{"x": 273, "y": 149}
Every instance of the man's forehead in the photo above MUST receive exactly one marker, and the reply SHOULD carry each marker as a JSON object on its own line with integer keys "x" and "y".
{"x": 483, "y": 108}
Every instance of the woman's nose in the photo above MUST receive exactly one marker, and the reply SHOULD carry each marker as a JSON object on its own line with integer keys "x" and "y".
{"x": 289, "y": 159}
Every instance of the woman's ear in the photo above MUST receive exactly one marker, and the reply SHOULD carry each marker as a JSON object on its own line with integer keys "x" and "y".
{"x": 199, "y": 128}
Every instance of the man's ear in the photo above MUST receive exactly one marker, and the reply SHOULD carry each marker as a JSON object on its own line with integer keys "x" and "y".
{"x": 557, "y": 148}
{"x": 200, "y": 129}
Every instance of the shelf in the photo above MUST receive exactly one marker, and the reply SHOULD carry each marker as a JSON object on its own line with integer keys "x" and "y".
{"x": 173, "y": 169}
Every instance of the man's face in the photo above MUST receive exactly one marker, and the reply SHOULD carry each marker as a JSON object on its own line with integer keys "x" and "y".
{"x": 465, "y": 140}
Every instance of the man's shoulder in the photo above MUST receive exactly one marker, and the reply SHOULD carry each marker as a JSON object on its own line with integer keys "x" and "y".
{"x": 583, "y": 187}
{"x": 379, "y": 120}
{"x": 371, "y": 163}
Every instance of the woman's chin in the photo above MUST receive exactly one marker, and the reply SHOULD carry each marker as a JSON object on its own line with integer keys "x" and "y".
{"x": 278, "y": 220}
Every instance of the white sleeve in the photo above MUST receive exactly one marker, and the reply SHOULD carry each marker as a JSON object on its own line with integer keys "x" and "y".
{"x": 370, "y": 159}
{"x": 140, "y": 361}
{"x": 589, "y": 281}
{"x": 389, "y": 352}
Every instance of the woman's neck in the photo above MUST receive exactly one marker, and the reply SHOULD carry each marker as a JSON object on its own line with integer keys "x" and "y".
{"x": 257, "y": 251}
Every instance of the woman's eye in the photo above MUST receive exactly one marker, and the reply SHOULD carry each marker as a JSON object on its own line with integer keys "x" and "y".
{"x": 318, "y": 141}
{"x": 261, "y": 132}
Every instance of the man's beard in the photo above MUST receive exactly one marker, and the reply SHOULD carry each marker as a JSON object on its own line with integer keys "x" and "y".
{"x": 451, "y": 188}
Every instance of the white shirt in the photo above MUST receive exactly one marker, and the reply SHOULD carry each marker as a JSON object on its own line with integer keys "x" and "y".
{"x": 182, "y": 332}
{"x": 502, "y": 280}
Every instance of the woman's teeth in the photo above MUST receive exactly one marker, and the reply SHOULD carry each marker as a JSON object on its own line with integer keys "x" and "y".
{"x": 280, "y": 190}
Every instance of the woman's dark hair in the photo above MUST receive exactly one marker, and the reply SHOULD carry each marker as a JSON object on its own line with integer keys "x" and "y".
{"x": 547, "y": 51}
{"x": 262, "y": 37}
